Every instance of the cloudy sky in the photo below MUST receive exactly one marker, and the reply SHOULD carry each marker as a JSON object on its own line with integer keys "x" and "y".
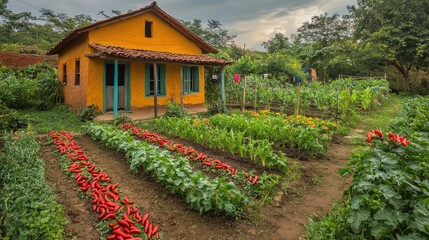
{"x": 253, "y": 21}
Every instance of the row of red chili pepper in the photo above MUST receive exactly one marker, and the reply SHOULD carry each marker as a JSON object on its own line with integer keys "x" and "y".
{"x": 106, "y": 198}
{"x": 393, "y": 137}
{"x": 188, "y": 151}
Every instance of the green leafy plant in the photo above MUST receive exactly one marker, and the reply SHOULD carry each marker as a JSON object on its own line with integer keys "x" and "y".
{"x": 35, "y": 214}
{"x": 223, "y": 139}
{"x": 174, "y": 110}
{"x": 389, "y": 196}
{"x": 88, "y": 113}
{"x": 174, "y": 173}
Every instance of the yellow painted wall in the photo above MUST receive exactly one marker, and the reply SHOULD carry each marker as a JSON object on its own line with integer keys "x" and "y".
{"x": 75, "y": 95}
{"x": 127, "y": 33}
{"x": 130, "y": 33}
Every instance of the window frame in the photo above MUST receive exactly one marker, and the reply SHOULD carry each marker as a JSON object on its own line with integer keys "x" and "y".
{"x": 148, "y": 25}
{"x": 77, "y": 72}
{"x": 190, "y": 79}
{"x": 161, "y": 70}
{"x": 64, "y": 73}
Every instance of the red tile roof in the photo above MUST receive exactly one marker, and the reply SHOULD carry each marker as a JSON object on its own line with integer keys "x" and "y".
{"x": 153, "y": 56}
{"x": 153, "y": 7}
{"x": 19, "y": 60}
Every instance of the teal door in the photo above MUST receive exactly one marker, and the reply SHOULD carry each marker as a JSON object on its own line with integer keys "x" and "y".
{"x": 123, "y": 86}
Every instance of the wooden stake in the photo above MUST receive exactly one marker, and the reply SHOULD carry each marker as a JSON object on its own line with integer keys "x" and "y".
{"x": 243, "y": 106}
{"x": 254, "y": 102}
{"x": 298, "y": 99}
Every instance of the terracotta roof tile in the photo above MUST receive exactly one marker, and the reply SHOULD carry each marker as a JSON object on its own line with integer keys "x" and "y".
{"x": 19, "y": 60}
{"x": 154, "y": 56}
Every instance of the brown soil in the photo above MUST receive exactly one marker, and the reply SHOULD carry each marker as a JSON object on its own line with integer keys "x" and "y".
{"x": 81, "y": 221}
{"x": 314, "y": 192}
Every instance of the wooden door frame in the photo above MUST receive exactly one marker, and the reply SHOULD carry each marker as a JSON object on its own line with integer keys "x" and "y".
{"x": 127, "y": 83}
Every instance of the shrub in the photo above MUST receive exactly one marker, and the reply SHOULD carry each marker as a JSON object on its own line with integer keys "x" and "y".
{"x": 174, "y": 110}
{"x": 88, "y": 113}
{"x": 10, "y": 119}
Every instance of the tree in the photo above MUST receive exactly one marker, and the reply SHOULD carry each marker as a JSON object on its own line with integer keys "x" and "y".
{"x": 44, "y": 31}
{"x": 325, "y": 29}
{"x": 213, "y": 34}
{"x": 398, "y": 29}
{"x": 320, "y": 41}
{"x": 277, "y": 43}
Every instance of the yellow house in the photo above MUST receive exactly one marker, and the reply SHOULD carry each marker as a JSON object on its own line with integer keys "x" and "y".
{"x": 134, "y": 60}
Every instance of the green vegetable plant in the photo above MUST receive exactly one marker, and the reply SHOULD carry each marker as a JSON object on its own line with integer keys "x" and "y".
{"x": 258, "y": 150}
{"x": 27, "y": 202}
{"x": 389, "y": 196}
{"x": 174, "y": 173}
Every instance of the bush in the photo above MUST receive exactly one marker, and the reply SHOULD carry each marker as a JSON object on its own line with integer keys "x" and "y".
{"x": 11, "y": 120}
{"x": 34, "y": 86}
{"x": 174, "y": 110}
{"x": 87, "y": 114}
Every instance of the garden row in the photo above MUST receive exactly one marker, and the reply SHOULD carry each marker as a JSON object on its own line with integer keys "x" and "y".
{"x": 249, "y": 136}
{"x": 120, "y": 218}
{"x": 389, "y": 196}
{"x": 339, "y": 99}
{"x": 207, "y": 162}
{"x": 174, "y": 172}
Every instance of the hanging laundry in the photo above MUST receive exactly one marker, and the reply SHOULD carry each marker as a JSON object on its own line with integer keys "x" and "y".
{"x": 237, "y": 78}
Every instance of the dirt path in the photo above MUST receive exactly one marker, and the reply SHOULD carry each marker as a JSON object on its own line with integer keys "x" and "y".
{"x": 324, "y": 187}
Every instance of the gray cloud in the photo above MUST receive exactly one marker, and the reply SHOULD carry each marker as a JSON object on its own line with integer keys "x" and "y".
{"x": 253, "y": 21}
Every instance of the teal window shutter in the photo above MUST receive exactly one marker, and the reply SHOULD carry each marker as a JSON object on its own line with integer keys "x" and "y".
{"x": 162, "y": 85}
{"x": 196, "y": 79}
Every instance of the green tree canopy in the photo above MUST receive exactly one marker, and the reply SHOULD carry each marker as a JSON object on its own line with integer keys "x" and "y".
{"x": 277, "y": 43}
{"x": 213, "y": 34}
{"x": 398, "y": 29}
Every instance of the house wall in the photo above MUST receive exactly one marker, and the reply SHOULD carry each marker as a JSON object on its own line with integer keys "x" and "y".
{"x": 128, "y": 33}
{"x": 75, "y": 95}
{"x": 137, "y": 81}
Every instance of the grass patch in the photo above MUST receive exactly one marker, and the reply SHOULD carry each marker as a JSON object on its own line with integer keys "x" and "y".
{"x": 58, "y": 118}
{"x": 380, "y": 118}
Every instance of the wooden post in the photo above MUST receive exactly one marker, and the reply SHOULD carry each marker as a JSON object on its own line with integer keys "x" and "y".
{"x": 298, "y": 100}
{"x": 181, "y": 88}
{"x": 115, "y": 89}
{"x": 243, "y": 106}
{"x": 155, "y": 94}
{"x": 254, "y": 102}
{"x": 222, "y": 79}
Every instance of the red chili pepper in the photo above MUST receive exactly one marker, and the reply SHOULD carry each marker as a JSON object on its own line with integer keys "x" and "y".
{"x": 145, "y": 217}
{"x": 109, "y": 216}
{"x": 103, "y": 212}
{"x": 207, "y": 164}
{"x": 378, "y": 133}
{"x": 155, "y": 230}
{"x": 118, "y": 232}
{"x": 369, "y": 136}
{"x": 123, "y": 223}
{"x": 149, "y": 234}
{"x": 135, "y": 231}
{"x": 255, "y": 180}
{"x": 146, "y": 226}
